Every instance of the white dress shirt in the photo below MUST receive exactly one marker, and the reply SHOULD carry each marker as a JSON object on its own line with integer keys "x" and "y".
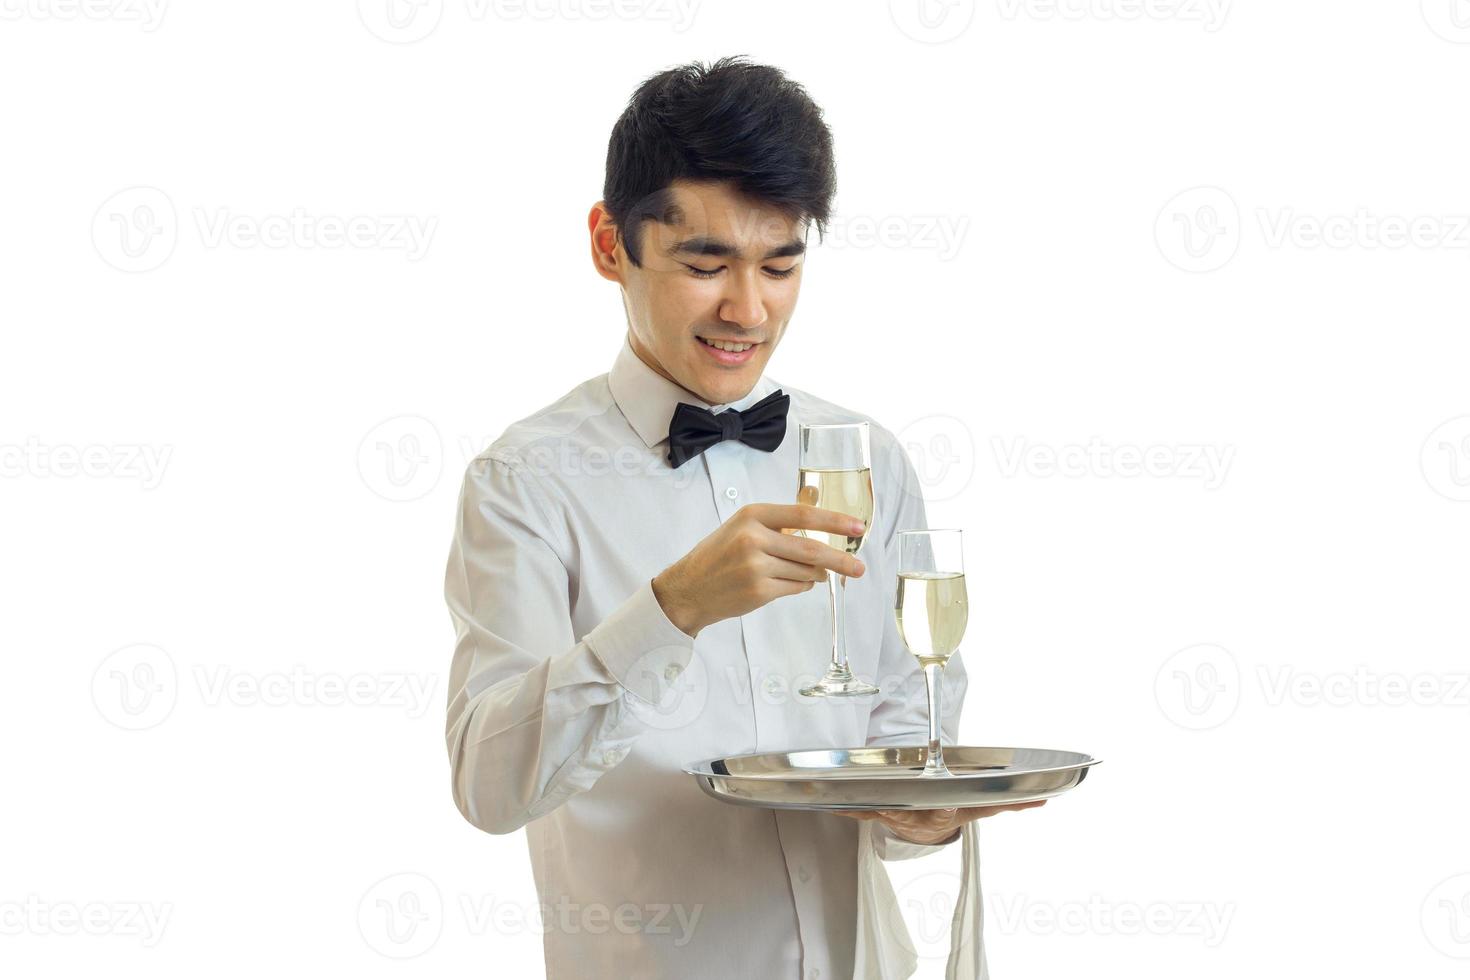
{"x": 575, "y": 703}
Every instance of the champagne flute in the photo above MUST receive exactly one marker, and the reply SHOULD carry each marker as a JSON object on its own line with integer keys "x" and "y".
{"x": 836, "y": 474}
{"x": 932, "y": 612}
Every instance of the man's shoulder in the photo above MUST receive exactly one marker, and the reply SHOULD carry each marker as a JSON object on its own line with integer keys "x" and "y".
{"x": 566, "y": 419}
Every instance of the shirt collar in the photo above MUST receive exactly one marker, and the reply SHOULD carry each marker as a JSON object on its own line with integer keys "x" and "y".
{"x": 648, "y": 399}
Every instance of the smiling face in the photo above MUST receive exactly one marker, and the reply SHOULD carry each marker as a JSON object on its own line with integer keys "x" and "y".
{"x": 723, "y": 272}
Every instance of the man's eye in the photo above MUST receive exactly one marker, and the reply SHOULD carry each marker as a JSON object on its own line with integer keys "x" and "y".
{"x": 699, "y": 273}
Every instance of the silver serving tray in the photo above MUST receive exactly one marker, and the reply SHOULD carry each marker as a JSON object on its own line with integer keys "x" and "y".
{"x": 888, "y": 778}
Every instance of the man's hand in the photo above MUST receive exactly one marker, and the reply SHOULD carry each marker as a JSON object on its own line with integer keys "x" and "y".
{"x": 933, "y": 826}
{"x": 749, "y": 560}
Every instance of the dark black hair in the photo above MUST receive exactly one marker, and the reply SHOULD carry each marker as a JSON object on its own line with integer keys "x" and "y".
{"x": 732, "y": 121}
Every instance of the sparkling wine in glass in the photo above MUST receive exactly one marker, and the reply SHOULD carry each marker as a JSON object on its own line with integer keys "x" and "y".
{"x": 932, "y": 612}
{"x": 836, "y": 474}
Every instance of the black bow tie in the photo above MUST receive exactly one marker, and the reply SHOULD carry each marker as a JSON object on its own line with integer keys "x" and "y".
{"x": 693, "y": 429}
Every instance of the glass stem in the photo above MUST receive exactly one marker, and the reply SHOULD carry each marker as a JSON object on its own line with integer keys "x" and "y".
{"x": 837, "y": 586}
{"x": 934, "y": 762}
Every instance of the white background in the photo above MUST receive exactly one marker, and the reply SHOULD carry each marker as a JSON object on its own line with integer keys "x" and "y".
{"x": 1070, "y": 238}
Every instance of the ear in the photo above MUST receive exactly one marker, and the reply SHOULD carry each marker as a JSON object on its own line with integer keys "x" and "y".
{"x": 608, "y": 255}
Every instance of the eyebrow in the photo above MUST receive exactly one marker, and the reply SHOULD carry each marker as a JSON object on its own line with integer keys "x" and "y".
{"x": 719, "y": 248}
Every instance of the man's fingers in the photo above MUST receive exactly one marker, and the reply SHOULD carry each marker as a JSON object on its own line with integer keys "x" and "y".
{"x": 933, "y": 826}
{"x": 779, "y": 517}
{"x": 793, "y": 570}
{"x": 987, "y": 811}
{"x": 809, "y": 551}
{"x": 920, "y": 818}
{"x": 898, "y": 816}
{"x": 782, "y": 587}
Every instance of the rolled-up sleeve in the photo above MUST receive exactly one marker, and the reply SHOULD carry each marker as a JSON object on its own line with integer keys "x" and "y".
{"x": 535, "y": 714}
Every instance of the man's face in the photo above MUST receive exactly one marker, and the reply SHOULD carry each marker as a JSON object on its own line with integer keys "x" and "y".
{"x": 728, "y": 270}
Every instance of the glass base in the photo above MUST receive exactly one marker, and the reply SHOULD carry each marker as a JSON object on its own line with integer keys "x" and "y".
{"x": 839, "y": 682}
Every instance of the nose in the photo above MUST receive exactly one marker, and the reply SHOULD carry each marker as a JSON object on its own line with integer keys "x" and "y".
{"x": 742, "y": 304}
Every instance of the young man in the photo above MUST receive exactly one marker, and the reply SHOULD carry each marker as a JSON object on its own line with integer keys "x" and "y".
{"x": 625, "y": 599}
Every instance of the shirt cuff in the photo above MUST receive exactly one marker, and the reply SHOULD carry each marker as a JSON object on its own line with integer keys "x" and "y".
{"x": 891, "y": 847}
{"x": 640, "y": 646}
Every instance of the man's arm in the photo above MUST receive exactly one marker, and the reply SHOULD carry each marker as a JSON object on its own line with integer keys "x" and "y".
{"x": 535, "y": 715}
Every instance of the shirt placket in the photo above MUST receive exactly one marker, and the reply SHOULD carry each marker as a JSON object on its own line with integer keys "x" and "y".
{"x": 731, "y": 484}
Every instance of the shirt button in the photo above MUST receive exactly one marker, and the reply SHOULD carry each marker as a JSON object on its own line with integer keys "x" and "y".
{"x": 731, "y": 492}
{"x": 611, "y": 756}
{"x": 814, "y": 972}
{"x": 772, "y": 686}
{"x": 672, "y": 671}
{"x": 805, "y": 876}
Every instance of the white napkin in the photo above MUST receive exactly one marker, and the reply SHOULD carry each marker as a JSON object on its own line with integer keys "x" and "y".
{"x": 885, "y": 951}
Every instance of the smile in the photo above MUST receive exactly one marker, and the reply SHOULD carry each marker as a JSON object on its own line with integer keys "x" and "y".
{"x": 726, "y": 345}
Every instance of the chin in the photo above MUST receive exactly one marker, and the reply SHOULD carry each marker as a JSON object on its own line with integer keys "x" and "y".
{"x": 720, "y": 384}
